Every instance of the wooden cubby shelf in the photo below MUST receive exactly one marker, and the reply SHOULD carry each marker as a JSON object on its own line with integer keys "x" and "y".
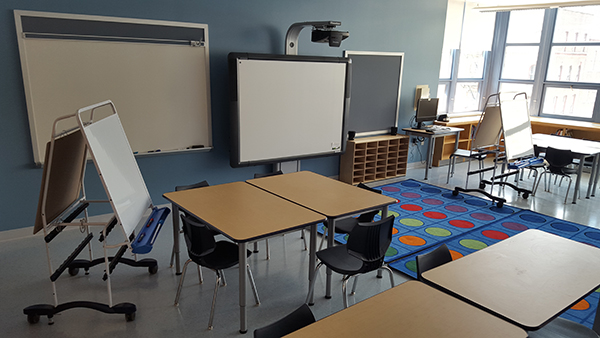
{"x": 374, "y": 158}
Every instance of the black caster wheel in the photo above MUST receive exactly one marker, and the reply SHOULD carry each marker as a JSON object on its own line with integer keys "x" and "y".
{"x": 33, "y": 318}
{"x": 73, "y": 271}
{"x": 500, "y": 204}
{"x": 525, "y": 195}
{"x": 130, "y": 317}
{"x": 481, "y": 185}
{"x": 153, "y": 269}
{"x": 454, "y": 193}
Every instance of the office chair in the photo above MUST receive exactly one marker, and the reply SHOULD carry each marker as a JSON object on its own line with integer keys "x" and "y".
{"x": 558, "y": 161}
{"x": 217, "y": 256}
{"x": 345, "y": 226}
{"x": 563, "y": 328}
{"x": 364, "y": 252}
{"x": 296, "y": 320}
{"x": 440, "y": 256}
{"x": 303, "y": 235}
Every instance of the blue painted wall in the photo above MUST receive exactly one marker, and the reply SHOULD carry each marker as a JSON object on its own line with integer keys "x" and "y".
{"x": 410, "y": 26}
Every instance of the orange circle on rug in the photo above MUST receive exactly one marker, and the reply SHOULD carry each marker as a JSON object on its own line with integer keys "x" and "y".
{"x": 412, "y": 240}
{"x": 411, "y": 207}
{"x": 394, "y": 231}
{"x": 434, "y": 215}
{"x": 455, "y": 254}
{"x": 582, "y": 305}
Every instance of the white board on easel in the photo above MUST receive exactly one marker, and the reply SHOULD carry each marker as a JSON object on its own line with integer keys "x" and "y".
{"x": 117, "y": 167}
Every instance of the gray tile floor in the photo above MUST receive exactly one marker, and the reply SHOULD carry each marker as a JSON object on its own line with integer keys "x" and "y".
{"x": 281, "y": 281}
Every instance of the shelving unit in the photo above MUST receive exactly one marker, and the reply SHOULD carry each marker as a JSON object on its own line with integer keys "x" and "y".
{"x": 374, "y": 158}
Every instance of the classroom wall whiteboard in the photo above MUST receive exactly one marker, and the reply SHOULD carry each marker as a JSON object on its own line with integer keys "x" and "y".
{"x": 156, "y": 72}
{"x": 287, "y": 107}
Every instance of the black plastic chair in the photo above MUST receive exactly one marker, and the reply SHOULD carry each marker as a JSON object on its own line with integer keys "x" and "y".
{"x": 440, "y": 256}
{"x": 558, "y": 162}
{"x": 345, "y": 226}
{"x": 364, "y": 252}
{"x": 296, "y": 320}
{"x": 563, "y": 328}
{"x": 217, "y": 256}
{"x": 259, "y": 175}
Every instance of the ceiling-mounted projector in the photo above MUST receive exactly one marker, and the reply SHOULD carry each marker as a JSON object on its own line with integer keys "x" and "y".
{"x": 333, "y": 37}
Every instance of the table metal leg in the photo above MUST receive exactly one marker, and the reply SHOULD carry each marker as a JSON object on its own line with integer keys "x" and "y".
{"x": 430, "y": 141}
{"x": 312, "y": 258}
{"x": 243, "y": 262}
{"x": 330, "y": 244}
{"x": 597, "y": 176}
{"x": 578, "y": 181}
{"x": 176, "y": 229}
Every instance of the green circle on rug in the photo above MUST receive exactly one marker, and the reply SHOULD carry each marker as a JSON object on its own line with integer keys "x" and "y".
{"x": 473, "y": 244}
{"x": 438, "y": 232}
{"x": 391, "y": 252}
{"x": 411, "y": 265}
{"x": 411, "y": 222}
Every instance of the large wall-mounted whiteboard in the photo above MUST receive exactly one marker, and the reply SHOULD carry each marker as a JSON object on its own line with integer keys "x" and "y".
{"x": 376, "y": 85}
{"x": 287, "y": 107}
{"x": 156, "y": 72}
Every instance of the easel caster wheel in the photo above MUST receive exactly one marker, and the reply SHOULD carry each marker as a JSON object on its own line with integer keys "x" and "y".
{"x": 481, "y": 185}
{"x": 454, "y": 193}
{"x": 130, "y": 317}
{"x": 153, "y": 269}
{"x": 73, "y": 271}
{"x": 33, "y": 318}
{"x": 525, "y": 195}
{"x": 500, "y": 204}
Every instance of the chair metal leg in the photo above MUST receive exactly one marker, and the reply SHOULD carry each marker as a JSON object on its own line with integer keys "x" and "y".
{"x": 252, "y": 284}
{"x": 568, "y": 188}
{"x": 450, "y": 166}
{"x": 303, "y": 235}
{"x": 390, "y": 272}
{"x": 344, "y": 293}
{"x": 214, "y": 301}
{"x": 323, "y": 238}
{"x": 543, "y": 174}
{"x": 311, "y": 288}
{"x": 353, "y": 292}
{"x": 223, "y": 280}
{"x": 181, "y": 281}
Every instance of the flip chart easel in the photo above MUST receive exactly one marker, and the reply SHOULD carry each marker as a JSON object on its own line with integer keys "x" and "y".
{"x": 62, "y": 199}
{"x": 511, "y": 119}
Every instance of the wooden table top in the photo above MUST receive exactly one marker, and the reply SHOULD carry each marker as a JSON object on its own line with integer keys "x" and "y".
{"x": 324, "y": 195}
{"x": 412, "y": 310}
{"x": 243, "y": 212}
{"x": 527, "y": 279}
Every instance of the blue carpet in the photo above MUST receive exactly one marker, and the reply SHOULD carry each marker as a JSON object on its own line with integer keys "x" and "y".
{"x": 427, "y": 216}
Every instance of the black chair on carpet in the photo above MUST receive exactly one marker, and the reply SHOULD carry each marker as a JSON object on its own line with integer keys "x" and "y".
{"x": 296, "y": 320}
{"x": 345, "y": 226}
{"x": 440, "y": 256}
{"x": 364, "y": 252}
{"x": 217, "y": 256}
{"x": 558, "y": 162}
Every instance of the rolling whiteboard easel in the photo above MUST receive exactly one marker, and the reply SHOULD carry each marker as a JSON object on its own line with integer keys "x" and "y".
{"x": 156, "y": 72}
{"x": 62, "y": 199}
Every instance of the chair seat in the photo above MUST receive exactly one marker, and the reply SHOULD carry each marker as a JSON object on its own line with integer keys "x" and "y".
{"x": 345, "y": 225}
{"x": 467, "y": 153}
{"x": 340, "y": 261}
{"x": 224, "y": 256}
{"x": 563, "y": 328}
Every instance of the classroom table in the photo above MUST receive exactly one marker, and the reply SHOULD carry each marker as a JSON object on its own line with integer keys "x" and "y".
{"x": 582, "y": 149}
{"x": 527, "y": 279}
{"x": 413, "y": 310}
{"x": 431, "y": 136}
{"x": 326, "y": 196}
{"x": 244, "y": 213}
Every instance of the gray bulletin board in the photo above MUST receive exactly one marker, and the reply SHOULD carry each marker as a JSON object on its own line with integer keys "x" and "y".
{"x": 376, "y": 84}
{"x": 156, "y": 72}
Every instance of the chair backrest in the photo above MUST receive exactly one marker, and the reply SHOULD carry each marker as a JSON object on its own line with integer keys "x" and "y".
{"x": 366, "y": 187}
{"x": 278, "y": 172}
{"x": 199, "y": 238}
{"x": 558, "y": 159}
{"x": 192, "y": 186}
{"x": 441, "y": 255}
{"x": 296, "y": 320}
{"x": 370, "y": 241}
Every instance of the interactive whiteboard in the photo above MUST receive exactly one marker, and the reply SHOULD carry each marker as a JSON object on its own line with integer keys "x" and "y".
{"x": 287, "y": 107}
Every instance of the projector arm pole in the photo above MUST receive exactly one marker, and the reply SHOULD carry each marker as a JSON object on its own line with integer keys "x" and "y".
{"x": 291, "y": 37}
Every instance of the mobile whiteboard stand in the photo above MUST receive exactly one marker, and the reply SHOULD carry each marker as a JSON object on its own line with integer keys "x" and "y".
{"x": 511, "y": 119}
{"x": 62, "y": 199}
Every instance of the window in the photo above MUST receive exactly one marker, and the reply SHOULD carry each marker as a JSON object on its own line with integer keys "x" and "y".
{"x": 553, "y": 55}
